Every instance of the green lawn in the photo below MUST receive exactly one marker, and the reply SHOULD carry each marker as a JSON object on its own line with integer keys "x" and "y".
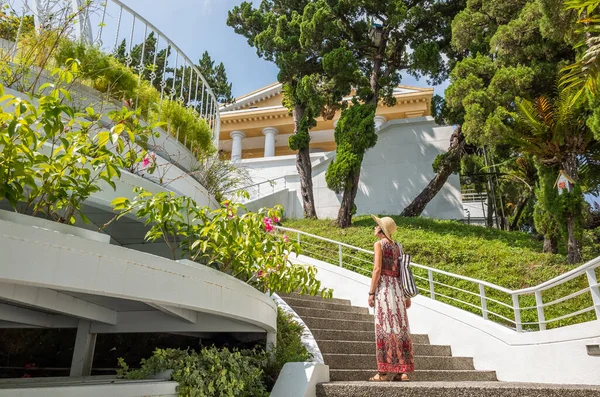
{"x": 510, "y": 259}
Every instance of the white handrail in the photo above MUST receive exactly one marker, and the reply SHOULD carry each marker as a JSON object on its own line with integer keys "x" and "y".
{"x": 587, "y": 269}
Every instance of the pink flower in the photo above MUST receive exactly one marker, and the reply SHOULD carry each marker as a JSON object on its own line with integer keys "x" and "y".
{"x": 286, "y": 238}
{"x": 146, "y": 161}
{"x": 260, "y": 273}
{"x": 276, "y": 220}
{"x": 268, "y": 224}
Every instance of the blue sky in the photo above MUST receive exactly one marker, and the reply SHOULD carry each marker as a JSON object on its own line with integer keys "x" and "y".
{"x": 199, "y": 25}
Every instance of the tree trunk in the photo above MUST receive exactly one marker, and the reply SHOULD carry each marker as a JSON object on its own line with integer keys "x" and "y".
{"x": 573, "y": 245}
{"x": 344, "y": 219}
{"x": 490, "y": 210}
{"x": 550, "y": 245}
{"x": 304, "y": 168}
{"x": 447, "y": 167}
{"x": 520, "y": 208}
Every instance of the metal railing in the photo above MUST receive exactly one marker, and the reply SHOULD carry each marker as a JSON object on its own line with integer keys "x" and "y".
{"x": 259, "y": 189}
{"x": 158, "y": 59}
{"x": 525, "y": 309}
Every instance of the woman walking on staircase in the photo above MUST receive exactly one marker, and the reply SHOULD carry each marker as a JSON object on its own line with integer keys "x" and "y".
{"x": 392, "y": 333}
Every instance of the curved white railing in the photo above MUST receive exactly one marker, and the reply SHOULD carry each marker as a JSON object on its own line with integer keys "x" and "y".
{"x": 193, "y": 89}
{"x": 257, "y": 190}
{"x": 428, "y": 278}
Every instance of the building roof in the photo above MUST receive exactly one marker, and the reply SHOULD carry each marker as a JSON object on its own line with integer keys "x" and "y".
{"x": 272, "y": 90}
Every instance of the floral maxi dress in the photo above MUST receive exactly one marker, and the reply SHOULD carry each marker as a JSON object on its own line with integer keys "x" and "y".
{"x": 392, "y": 333}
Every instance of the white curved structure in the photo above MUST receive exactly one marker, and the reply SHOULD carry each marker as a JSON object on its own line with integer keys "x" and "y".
{"x": 52, "y": 279}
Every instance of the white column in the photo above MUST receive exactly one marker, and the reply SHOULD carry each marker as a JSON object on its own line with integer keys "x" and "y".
{"x": 379, "y": 121}
{"x": 83, "y": 353}
{"x": 236, "y": 147}
{"x": 269, "y": 134}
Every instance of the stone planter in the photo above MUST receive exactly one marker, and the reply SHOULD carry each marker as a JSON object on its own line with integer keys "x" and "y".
{"x": 54, "y": 226}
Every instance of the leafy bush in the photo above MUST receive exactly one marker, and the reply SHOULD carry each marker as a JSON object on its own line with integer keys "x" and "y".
{"x": 289, "y": 347}
{"x": 239, "y": 245}
{"x": 185, "y": 124}
{"x": 209, "y": 372}
{"x": 510, "y": 259}
{"x": 52, "y": 158}
{"x": 220, "y": 176}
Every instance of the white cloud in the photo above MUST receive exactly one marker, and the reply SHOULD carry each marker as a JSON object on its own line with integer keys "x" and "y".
{"x": 206, "y": 6}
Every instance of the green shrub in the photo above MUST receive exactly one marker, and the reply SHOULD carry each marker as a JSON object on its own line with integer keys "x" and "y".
{"x": 52, "y": 158}
{"x": 233, "y": 242}
{"x": 209, "y": 372}
{"x": 185, "y": 124}
{"x": 289, "y": 347}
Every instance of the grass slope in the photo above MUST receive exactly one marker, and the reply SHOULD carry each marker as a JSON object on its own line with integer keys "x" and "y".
{"x": 510, "y": 259}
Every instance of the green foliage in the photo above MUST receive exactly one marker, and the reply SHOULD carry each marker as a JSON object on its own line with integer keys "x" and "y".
{"x": 220, "y": 176}
{"x": 209, "y": 372}
{"x": 221, "y": 372}
{"x": 354, "y": 134}
{"x": 234, "y": 243}
{"x": 184, "y": 123}
{"x": 10, "y": 22}
{"x": 109, "y": 75}
{"x": 289, "y": 346}
{"x": 509, "y": 259}
{"x": 52, "y": 158}
{"x": 216, "y": 77}
{"x": 582, "y": 75}
{"x": 504, "y": 58}
{"x": 546, "y": 221}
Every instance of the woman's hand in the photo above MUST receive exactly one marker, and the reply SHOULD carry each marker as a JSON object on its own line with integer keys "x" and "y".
{"x": 407, "y": 303}
{"x": 371, "y": 300}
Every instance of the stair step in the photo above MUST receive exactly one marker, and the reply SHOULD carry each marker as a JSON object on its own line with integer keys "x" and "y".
{"x": 324, "y": 313}
{"x": 314, "y": 298}
{"x": 368, "y": 361}
{"x": 452, "y": 389}
{"x": 334, "y": 335}
{"x": 327, "y": 305}
{"x": 356, "y": 347}
{"x": 327, "y": 323}
{"x": 417, "y": 376}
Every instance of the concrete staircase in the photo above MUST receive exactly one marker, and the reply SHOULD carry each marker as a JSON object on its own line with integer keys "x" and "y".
{"x": 346, "y": 337}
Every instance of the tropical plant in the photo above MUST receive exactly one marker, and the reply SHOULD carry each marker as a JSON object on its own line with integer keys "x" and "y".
{"x": 556, "y": 133}
{"x": 53, "y": 158}
{"x": 237, "y": 244}
{"x": 582, "y": 75}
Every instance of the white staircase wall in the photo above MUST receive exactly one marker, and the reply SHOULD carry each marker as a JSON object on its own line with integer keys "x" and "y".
{"x": 556, "y": 356}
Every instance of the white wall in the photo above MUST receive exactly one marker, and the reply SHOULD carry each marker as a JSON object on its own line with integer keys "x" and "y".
{"x": 393, "y": 173}
{"x": 553, "y": 356}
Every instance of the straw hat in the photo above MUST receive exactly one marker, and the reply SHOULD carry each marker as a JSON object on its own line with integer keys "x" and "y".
{"x": 387, "y": 225}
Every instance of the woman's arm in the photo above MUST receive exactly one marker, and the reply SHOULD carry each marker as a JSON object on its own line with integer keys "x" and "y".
{"x": 376, "y": 273}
